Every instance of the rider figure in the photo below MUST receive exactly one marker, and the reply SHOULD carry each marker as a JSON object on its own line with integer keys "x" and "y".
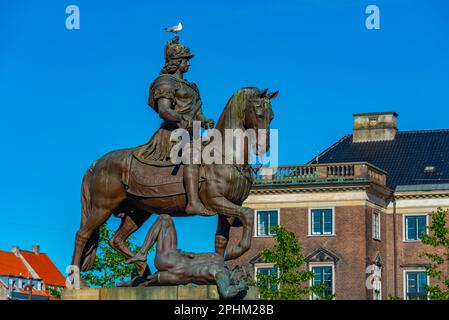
{"x": 178, "y": 103}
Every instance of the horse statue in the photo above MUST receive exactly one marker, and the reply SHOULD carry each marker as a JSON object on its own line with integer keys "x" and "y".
{"x": 119, "y": 184}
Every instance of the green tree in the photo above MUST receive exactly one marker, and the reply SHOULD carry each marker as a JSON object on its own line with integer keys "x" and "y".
{"x": 290, "y": 282}
{"x": 438, "y": 238}
{"x": 110, "y": 267}
{"x": 54, "y": 292}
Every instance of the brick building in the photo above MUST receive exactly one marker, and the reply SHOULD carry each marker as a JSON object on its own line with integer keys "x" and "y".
{"x": 28, "y": 275}
{"x": 362, "y": 203}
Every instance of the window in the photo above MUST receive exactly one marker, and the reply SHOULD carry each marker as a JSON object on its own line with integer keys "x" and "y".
{"x": 321, "y": 221}
{"x": 429, "y": 169}
{"x": 267, "y": 271}
{"x": 37, "y": 285}
{"x": 323, "y": 274}
{"x": 376, "y": 225}
{"x": 265, "y": 221}
{"x": 415, "y": 285}
{"x": 415, "y": 225}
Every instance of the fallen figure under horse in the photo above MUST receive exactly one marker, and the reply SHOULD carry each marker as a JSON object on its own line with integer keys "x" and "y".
{"x": 179, "y": 267}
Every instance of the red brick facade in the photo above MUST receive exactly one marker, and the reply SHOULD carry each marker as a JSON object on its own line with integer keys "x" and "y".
{"x": 352, "y": 244}
{"x": 377, "y": 167}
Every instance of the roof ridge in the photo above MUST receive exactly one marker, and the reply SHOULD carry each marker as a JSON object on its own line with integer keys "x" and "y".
{"x": 411, "y": 132}
{"x": 330, "y": 148}
{"x": 424, "y": 131}
{"x": 31, "y": 270}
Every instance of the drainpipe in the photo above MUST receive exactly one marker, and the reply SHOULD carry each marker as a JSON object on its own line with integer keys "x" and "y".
{"x": 395, "y": 258}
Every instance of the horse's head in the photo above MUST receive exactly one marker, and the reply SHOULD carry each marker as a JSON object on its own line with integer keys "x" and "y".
{"x": 258, "y": 115}
{"x": 250, "y": 109}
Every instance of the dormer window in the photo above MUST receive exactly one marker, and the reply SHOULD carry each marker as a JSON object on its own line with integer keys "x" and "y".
{"x": 372, "y": 121}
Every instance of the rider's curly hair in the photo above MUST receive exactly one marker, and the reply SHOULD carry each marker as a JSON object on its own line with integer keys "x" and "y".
{"x": 171, "y": 66}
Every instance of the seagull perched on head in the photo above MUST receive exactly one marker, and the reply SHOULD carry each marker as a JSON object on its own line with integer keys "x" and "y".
{"x": 174, "y": 29}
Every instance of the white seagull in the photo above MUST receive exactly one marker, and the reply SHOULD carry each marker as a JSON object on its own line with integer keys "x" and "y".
{"x": 174, "y": 29}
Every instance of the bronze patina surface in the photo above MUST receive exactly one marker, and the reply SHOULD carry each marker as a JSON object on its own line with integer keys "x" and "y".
{"x": 134, "y": 183}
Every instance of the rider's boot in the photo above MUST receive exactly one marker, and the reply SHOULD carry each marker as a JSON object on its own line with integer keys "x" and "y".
{"x": 191, "y": 184}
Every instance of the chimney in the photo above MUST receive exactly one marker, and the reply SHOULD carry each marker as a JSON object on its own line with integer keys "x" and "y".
{"x": 376, "y": 126}
{"x": 15, "y": 250}
{"x": 36, "y": 249}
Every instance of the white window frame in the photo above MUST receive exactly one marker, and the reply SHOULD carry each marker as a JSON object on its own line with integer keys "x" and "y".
{"x": 405, "y": 282}
{"x": 310, "y": 233}
{"x": 39, "y": 286}
{"x": 258, "y": 266}
{"x": 404, "y": 225}
{"x": 256, "y": 224}
{"x": 378, "y": 214}
{"x": 322, "y": 264}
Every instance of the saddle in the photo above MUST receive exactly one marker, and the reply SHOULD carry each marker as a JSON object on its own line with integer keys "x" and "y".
{"x": 151, "y": 181}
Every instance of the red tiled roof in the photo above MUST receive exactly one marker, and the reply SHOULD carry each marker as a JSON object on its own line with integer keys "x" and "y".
{"x": 45, "y": 268}
{"x": 10, "y": 264}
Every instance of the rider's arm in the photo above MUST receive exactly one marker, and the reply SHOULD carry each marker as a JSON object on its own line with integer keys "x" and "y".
{"x": 166, "y": 112}
{"x": 205, "y": 122}
{"x": 200, "y": 116}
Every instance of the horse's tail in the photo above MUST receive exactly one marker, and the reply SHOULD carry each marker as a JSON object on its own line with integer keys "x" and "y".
{"x": 90, "y": 251}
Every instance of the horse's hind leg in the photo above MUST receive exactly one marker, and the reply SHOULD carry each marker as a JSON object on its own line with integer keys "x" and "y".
{"x": 130, "y": 223}
{"x": 97, "y": 217}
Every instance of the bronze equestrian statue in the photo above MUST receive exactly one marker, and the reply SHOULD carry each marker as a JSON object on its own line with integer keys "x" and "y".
{"x": 178, "y": 267}
{"x": 134, "y": 183}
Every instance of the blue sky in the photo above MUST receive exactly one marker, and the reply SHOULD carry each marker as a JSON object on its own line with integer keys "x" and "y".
{"x": 69, "y": 96}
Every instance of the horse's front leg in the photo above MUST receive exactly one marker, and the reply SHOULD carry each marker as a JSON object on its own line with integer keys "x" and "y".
{"x": 246, "y": 215}
{"x": 130, "y": 223}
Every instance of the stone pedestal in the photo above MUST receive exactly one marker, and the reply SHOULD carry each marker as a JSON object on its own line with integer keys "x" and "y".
{"x": 189, "y": 292}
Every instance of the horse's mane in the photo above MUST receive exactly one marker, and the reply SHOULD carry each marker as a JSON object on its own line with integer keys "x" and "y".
{"x": 234, "y": 110}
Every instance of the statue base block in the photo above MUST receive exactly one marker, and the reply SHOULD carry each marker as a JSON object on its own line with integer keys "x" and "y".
{"x": 189, "y": 292}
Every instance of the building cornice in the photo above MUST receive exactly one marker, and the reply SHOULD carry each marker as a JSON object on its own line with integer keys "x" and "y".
{"x": 282, "y": 190}
{"x": 317, "y": 188}
{"x": 421, "y": 195}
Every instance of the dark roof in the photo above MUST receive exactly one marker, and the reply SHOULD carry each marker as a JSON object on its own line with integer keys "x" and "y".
{"x": 404, "y": 158}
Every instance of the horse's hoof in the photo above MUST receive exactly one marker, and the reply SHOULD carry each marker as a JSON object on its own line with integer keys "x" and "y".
{"x": 134, "y": 282}
{"x": 137, "y": 259}
{"x": 198, "y": 209}
{"x": 124, "y": 284}
{"x": 232, "y": 252}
